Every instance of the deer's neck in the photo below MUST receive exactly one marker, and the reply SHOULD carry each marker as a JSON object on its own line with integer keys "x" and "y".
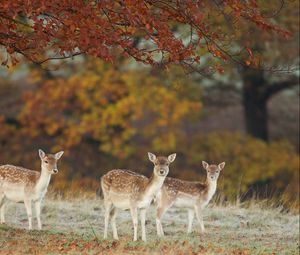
{"x": 154, "y": 185}
{"x": 211, "y": 188}
{"x": 43, "y": 181}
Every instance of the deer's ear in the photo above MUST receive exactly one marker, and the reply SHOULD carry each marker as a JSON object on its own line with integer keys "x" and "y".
{"x": 42, "y": 154}
{"x": 205, "y": 165}
{"x": 151, "y": 157}
{"x": 172, "y": 157}
{"x": 58, "y": 155}
{"x": 221, "y": 166}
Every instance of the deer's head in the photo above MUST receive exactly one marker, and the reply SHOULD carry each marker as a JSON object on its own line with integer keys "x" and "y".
{"x": 161, "y": 164}
{"x": 213, "y": 171}
{"x": 49, "y": 161}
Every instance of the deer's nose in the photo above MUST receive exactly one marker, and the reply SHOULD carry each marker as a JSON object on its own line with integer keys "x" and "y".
{"x": 161, "y": 171}
{"x": 55, "y": 171}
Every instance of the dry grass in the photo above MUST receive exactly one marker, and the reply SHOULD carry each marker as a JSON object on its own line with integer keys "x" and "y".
{"x": 76, "y": 227}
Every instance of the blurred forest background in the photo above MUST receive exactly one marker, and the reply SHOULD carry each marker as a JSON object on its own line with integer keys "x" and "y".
{"x": 107, "y": 116}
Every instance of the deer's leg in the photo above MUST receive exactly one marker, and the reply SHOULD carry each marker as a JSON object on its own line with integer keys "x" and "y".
{"x": 38, "y": 213}
{"x": 199, "y": 215}
{"x": 107, "y": 205}
{"x": 191, "y": 218}
{"x": 159, "y": 213}
{"x": 2, "y": 208}
{"x": 133, "y": 211}
{"x": 163, "y": 206}
{"x": 143, "y": 222}
{"x": 27, "y": 204}
{"x": 2, "y": 212}
{"x": 113, "y": 215}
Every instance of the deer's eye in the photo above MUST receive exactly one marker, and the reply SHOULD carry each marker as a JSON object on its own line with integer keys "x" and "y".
{"x": 46, "y": 161}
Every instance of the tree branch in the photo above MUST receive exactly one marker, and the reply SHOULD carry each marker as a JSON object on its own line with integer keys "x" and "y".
{"x": 276, "y": 87}
{"x": 60, "y": 57}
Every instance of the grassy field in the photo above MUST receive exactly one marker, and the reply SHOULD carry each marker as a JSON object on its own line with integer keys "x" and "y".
{"x": 76, "y": 227}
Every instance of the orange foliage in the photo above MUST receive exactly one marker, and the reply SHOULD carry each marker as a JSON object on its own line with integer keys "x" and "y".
{"x": 109, "y": 107}
{"x": 108, "y": 29}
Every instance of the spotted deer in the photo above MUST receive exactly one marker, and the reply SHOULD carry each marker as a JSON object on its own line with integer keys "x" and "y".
{"x": 124, "y": 189}
{"x": 191, "y": 195}
{"x": 19, "y": 184}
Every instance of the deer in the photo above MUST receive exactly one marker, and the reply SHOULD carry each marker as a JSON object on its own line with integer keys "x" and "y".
{"x": 193, "y": 196}
{"x": 128, "y": 190}
{"x": 26, "y": 186}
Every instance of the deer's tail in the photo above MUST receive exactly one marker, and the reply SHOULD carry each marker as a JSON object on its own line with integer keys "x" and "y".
{"x": 99, "y": 192}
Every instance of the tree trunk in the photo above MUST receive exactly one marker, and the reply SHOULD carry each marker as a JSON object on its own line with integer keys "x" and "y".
{"x": 256, "y": 115}
{"x": 255, "y": 105}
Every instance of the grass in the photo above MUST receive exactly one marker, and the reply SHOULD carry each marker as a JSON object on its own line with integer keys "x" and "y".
{"x": 76, "y": 227}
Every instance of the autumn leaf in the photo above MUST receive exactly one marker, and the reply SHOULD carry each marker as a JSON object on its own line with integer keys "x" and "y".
{"x": 43, "y": 30}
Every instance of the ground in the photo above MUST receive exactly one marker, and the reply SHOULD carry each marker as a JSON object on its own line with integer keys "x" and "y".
{"x": 76, "y": 227}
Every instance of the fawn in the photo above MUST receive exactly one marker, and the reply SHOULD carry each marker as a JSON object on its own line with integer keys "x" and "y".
{"x": 125, "y": 189}
{"x": 191, "y": 195}
{"x": 19, "y": 184}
